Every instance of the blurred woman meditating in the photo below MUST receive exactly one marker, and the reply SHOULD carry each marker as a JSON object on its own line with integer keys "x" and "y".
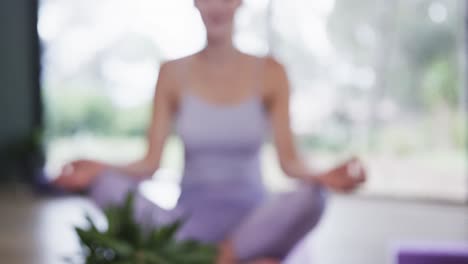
{"x": 223, "y": 103}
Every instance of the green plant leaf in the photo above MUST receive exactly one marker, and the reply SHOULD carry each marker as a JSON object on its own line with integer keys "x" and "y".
{"x": 162, "y": 236}
{"x": 125, "y": 243}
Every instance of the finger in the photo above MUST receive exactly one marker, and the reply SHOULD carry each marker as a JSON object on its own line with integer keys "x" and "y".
{"x": 350, "y": 188}
{"x": 68, "y": 169}
{"x": 362, "y": 175}
{"x": 352, "y": 160}
{"x": 57, "y": 181}
{"x": 61, "y": 181}
{"x": 362, "y": 179}
{"x": 343, "y": 168}
{"x": 79, "y": 163}
{"x": 356, "y": 178}
{"x": 73, "y": 184}
{"x": 76, "y": 163}
{"x": 345, "y": 189}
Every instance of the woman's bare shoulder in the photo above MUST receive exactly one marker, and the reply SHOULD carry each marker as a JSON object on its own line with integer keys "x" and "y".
{"x": 174, "y": 67}
{"x": 275, "y": 76}
{"x": 273, "y": 67}
{"x": 170, "y": 75}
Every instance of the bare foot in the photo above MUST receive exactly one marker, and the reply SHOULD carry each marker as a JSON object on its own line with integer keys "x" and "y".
{"x": 227, "y": 256}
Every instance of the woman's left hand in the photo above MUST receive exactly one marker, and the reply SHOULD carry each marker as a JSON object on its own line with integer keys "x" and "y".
{"x": 344, "y": 178}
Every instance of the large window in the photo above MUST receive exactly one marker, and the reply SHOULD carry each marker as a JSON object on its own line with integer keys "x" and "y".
{"x": 382, "y": 79}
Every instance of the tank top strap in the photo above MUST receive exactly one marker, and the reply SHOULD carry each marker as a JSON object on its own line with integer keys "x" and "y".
{"x": 184, "y": 75}
{"x": 260, "y": 71}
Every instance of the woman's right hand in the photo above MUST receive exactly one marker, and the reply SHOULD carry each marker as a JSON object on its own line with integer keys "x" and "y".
{"x": 78, "y": 175}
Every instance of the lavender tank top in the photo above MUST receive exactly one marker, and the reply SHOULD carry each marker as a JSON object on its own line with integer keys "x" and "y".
{"x": 222, "y": 149}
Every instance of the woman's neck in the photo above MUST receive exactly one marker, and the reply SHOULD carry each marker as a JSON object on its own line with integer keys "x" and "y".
{"x": 219, "y": 51}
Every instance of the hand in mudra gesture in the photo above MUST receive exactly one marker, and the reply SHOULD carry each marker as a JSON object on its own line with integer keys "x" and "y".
{"x": 78, "y": 175}
{"x": 344, "y": 178}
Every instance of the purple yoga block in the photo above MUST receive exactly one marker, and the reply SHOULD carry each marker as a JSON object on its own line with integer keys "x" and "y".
{"x": 433, "y": 254}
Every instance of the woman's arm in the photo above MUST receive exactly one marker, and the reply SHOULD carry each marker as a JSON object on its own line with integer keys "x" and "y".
{"x": 160, "y": 126}
{"x": 278, "y": 102}
{"x": 291, "y": 163}
{"x": 79, "y": 174}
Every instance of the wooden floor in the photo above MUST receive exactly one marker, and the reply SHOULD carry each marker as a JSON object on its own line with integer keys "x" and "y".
{"x": 35, "y": 230}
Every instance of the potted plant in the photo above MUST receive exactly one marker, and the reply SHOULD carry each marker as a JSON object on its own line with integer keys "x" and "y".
{"x": 125, "y": 242}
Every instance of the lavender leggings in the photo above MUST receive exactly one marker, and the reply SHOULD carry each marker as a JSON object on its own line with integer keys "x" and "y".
{"x": 270, "y": 229}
